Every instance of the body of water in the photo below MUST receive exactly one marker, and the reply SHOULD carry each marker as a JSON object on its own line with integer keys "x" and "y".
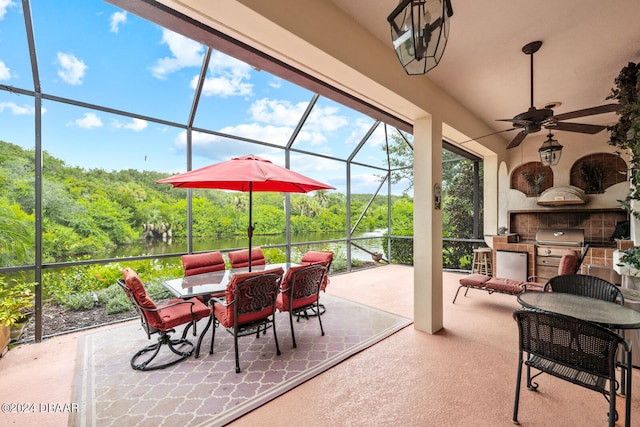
{"x": 373, "y": 244}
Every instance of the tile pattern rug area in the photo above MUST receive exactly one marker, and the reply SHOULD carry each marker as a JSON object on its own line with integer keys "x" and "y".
{"x": 206, "y": 391}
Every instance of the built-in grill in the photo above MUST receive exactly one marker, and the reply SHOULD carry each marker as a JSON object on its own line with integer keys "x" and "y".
{"x": 551, "y": 244}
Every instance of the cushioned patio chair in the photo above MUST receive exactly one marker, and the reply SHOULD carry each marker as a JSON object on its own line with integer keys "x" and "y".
{"x": 162, "y": 320}
{"x": 318, "y": 257}
{"x": 207, "y": 262}
{"x": 571, "y": 349}
{"x": 249, "y": 304}
{"x": 570, "y": 263}
{"x": 300, "y": 291}
{"x": 322, "y": 257}
{"x": 240, "y": 258}
{"x": 489, "y": 284}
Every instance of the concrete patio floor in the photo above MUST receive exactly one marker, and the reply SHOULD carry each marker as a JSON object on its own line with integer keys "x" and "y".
{"x": 463, "y": 375}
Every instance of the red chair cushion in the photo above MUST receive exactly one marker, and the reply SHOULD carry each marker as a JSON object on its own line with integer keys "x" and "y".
{"x": 164, "y": 318}
{"x": 224, "y": 314}
{"x": 240, "y": 258}
{"x": 140, "y": 294}
{"x": 568, "y": 263}
{"x": 202, "y": 263}
{"x": 504, "y": 285}
{"x": 282, "y": 302}
{"x": 477, "y": 280}
{"x": 183, "y": 312}
{"x": 323, "y": 257}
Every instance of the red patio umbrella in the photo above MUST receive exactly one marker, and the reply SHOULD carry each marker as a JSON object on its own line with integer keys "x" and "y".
{"x": 247, "y": 173}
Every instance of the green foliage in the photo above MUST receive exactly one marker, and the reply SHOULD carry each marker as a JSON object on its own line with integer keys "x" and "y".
{"x": 457, "y": 210}
{"x": 275, "y": 255}
{"x": 625, "y": 134}
{"x": 84, "y": 301}
{"x": 401, "y": 250}
{"x": 16, "y": 235}
{"x": 631, "y": 257}
{"x": 119, "y": 304}
{"x": 14, "y": 300}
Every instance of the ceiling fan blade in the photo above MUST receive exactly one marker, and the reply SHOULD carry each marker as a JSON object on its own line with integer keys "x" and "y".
{"x": 517, "y": 140}
{"x": 515, "y": 122}
{"x": 607, "y": 108}
{"x": 578, "y": 127}
{"x": 489, "y": 134}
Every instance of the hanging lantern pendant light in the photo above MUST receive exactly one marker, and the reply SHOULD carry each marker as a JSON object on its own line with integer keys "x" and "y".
{"x": 550, "y": 151}
{"x": 419, "y": 33}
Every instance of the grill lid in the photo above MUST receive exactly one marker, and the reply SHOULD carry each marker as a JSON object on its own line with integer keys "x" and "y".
{"x": 560, "y": 237}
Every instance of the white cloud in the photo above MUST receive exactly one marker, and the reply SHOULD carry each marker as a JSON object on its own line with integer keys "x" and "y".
{"x": 320, "y": 122}
{"x": 117, "y": 19}
{"x": 5, "y": 73}
{"x": 4, "y": 5}
{"x": 325, "y": 119}
{"x": 18, "y": 110}
{"x": 135, "y": 125}
{"x": 226, "y": 77}
{"x": 184, "y": 53}
{"x": 361, "y": 127}
{"x": 276, "y": 83}
{"x": 71, "y": 69}
{"x": 277, "y": 111}
{"x": 273, "y": 134}
{"x": 89, "y": 121}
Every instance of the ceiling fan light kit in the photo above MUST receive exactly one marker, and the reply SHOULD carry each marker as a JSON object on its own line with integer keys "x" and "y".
{"x": 419, "y": 33}
{"x": 550, "y": 151}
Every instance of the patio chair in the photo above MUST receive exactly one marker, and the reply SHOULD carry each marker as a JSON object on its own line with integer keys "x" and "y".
{"x": 574, "y": 350}
{"x": 207, "y": 262}
{"x": 322, "y": 257}
{"x": 569, "y": 264}
{"x": 300, "y": 291}
{"x": 240, "y": 258}
{"x": 588, "y": 286}
{"x": 318, "y": 257}
{"x": 162, "y": 320}
{"x": 249, "y": 304}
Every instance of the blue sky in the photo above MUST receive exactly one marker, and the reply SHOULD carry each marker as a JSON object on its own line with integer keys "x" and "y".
{"x": 92, "y": 52}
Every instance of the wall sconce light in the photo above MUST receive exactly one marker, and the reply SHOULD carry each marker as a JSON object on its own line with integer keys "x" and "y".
{"x": 550, "y": 151}
{"x": 419, "y": 33}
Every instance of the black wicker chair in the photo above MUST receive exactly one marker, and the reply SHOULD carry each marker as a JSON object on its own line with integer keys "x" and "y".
{"x": 588, "y": 286}
{"x": 574, "y": 350}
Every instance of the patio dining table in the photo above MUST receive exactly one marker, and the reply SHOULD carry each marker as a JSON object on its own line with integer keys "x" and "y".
{"x": 206, "y": 285}
{"x": 590, "y": 309}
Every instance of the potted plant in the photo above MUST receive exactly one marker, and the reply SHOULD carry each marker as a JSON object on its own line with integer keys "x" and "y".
{"x": 14, "y": 300}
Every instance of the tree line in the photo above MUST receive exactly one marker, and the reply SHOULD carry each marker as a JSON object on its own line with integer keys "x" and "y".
{"x": 87, "y": 211}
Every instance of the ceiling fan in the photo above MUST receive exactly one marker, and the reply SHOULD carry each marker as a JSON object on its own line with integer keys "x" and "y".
{"x": 534, "y": 119}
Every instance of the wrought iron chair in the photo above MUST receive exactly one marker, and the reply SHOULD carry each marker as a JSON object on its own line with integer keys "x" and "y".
{"x": 588, "y": 286}
{"x": 240, "y": 258}
{"x": 574, "y": 350}
{"x": 569, "y": 264}
{"x": 207, "y": 262}
{"x": 300, "y": 291}
{"x": 162, "y": 320}
{"x": 249, "y": 305}
{"x": 318, "y": 257}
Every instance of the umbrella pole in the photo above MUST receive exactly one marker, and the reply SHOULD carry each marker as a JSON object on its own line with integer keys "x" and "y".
{"x": 250, "y": 227}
